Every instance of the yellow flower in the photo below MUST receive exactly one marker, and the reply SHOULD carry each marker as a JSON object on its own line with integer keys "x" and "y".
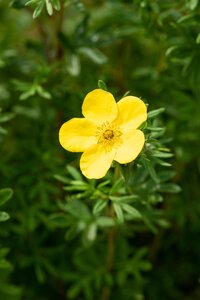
{"x": 108, "y": 132}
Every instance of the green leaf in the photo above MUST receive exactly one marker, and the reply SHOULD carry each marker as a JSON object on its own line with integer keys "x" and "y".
{"x": 57, "y": 5}
{"x": 166, "y": 175}
{"x": 73, "y": 231}
{"x": 171, "y": 50}
{"x": 169, "y": 188}
{"x": 102, "y": 85}
{"x": 74, "y": 173}
{"x": 156, "y": 112}
{"x": 75, "y": 185}
{"x": 119, "y": 212}
{"x": 77, "y": 209}
{"x": 39, "y": 273}
{"x": 6, "y": 117}
{"x": 31, "y": 2}
{"x": 91, "y": 232}
{"x": 4, "y": 216}
{"x": 117, "y": 186}
{"x": 61, "y": 178}
{"x": 78, "y": 187}
{"x": 2, "y": 130}
{"x": 3, "y": 252}
{"x": 163, "y": 223}
{"x": 59, "y": 220}
{"x": 143, "y": 126}
{"x": 162, "y": 154}
{"x": 99, "y": 206}
{"x": 93, "y": 54}
{"x": 38, "y": 10}
{"x": 5, "y": 195}
{"x": 49, "y": 7}
{"x": 74, "y": 66}
{"x": 189, "y": 19}
{"x": 148, "y": 164}
{"x": 155, "y": 128}
{"x": 105, "y": 222}
{"x": 102, "y": 184}
{"x": 162, "y": 162}
{"x": 27, "y": 94}
{"x": 42, "y": 92}
{"x": 128, "y": 198}
{"x": 198, "y": 39}
{"x": 193, "y": 4}
{"x": 126, "y": 94}
{"x": 4, "y": 264}
{"x": 131, "y": 211}
{"x": 155, "y": 198}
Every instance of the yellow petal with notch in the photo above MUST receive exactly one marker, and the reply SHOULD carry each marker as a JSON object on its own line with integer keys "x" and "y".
{"x": 95, "y": 161}
{"x": 132, "y": 112}
{"x": 131, "y": 146}
{"x": 99, "y": 106}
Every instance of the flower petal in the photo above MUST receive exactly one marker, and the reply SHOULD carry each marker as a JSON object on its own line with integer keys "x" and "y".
{"x": 95, "y": 162}
{"x": 133, "y": 142}
{"x": 99, "y": 106}
{"x": 77, "y": 135}
{"x": 132, "y": 112}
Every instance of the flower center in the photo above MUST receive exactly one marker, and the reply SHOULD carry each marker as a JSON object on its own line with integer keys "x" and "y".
{"x": 109, "y": 136}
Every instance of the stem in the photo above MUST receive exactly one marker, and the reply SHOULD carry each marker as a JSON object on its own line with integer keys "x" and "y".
{"x": 112, "y": 234}
{"x": 59, "y": 52}
{"x": 51, "y": 43}
{"x": 111, "y": 241}
{"x": 110, "y": 253}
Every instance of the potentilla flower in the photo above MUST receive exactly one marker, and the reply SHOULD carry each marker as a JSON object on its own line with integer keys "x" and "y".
{"x": 108, "y": 132}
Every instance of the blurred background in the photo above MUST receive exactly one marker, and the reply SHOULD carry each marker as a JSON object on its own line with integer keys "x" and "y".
{"x": 47, "y": 65}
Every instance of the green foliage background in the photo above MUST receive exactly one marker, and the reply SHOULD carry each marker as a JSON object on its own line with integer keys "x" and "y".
{"x": 51, "y": 54}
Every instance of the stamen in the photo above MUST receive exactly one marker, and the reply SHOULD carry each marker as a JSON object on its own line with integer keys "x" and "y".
{"x": 109, "y": 135}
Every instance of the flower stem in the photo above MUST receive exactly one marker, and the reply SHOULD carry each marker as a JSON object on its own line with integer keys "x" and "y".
{"x": 106, "y": 291}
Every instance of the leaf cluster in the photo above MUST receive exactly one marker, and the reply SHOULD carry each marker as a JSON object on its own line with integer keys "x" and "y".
{"x": 59, "y": 226}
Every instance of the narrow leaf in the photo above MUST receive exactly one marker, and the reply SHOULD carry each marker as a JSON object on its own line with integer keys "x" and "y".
{"x": 31, "y": 2}
{"x": 38, "y": 10}
{"x": 57, "y": 5}
{"x": 119, "y": 212}
{"x": 5, "y": 195}
{"x": 4, "y": 216}
{"x": 193, "y": 4}
{"x": 169, "y": 188}
{"x": 155, "y": 112}
{"x": 6, "y": 117}
{"x": 131, "y": 211}
{"x": 49, "y": 7}
{"x": 93, "y": 54}
{"x": 198, "y": 39}
{"x": 102, "y": 85}
{"x": 105, "y": 222}
{"x": 74, "y": 173}
{"x": 99, "y": 206}
{"x": 91, "y": 232}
